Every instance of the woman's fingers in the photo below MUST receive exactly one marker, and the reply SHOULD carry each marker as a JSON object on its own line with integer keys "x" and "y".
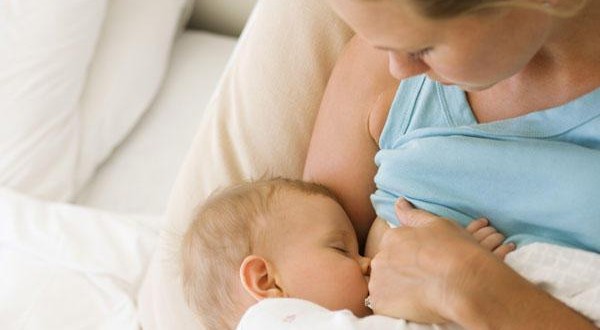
{"x": 395, "y": 270}
{"x": 480, "y": 229}
{"x": 410, "y": 216}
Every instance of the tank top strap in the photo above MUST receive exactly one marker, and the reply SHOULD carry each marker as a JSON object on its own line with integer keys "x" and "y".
{"x": 579, "y": 117}
{"x": 421, "y": 102}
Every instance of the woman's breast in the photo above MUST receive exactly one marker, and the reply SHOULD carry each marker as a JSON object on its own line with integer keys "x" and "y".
{"x": 376, "y": 232}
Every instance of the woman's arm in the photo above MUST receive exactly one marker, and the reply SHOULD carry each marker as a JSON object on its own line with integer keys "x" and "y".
{"x": 352, "y": 114}
{"x": 505, "y": 300}
{"x": 430, "y": 270}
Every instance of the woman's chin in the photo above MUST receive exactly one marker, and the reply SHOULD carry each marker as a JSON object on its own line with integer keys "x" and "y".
{"x": 466, "y": 86}
{"x": 474, "y": 88}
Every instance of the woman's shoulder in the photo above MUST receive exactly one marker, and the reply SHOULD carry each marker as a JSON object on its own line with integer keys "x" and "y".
{"x": 379, "y": 113}
{"x": 419, "y": 102}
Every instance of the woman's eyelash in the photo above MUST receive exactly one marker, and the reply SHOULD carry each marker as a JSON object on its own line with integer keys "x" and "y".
{"x": 419, "y": 55}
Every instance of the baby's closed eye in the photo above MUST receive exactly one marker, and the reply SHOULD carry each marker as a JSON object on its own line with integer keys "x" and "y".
{"x": 340, "y": 247}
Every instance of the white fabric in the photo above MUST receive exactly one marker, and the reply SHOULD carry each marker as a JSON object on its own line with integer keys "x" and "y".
{"x": 573, "y": 276}
{"x": 67, "y": 267}
{"x": 186, "y": 14}
{"x": 258, "y": 122}
{"x": 126, "y": 72}
{"x": 128, "y": 182}
{"x": 75, "y": 77}
{"x": 45, "y": 50}
{"x": 297, "y": 314}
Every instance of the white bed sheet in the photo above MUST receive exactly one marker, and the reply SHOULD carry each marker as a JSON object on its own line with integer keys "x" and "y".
{"x": 139, "y": 174}
{"x": 69, "y": 267}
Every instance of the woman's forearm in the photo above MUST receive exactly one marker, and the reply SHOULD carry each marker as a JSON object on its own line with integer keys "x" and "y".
{"x": 507, "y": 301}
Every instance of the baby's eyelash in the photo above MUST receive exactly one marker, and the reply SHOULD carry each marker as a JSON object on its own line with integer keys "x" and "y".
{"x": 343, "y": 250}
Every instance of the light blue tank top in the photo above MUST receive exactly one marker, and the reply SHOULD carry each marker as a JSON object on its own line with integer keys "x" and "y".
{"x": 536, "y": 177}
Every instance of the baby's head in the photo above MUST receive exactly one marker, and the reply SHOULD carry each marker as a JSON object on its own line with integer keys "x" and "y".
{"x": 269, "y": 239}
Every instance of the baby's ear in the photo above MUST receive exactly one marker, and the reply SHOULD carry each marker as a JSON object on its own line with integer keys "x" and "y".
{"x": 258, "y": 278}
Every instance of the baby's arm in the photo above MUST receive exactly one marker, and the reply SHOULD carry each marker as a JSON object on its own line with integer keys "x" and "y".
{"x": 489, "y": 237}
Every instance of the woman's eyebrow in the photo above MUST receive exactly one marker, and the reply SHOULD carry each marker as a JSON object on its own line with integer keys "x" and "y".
{"x": 387, "y": 49}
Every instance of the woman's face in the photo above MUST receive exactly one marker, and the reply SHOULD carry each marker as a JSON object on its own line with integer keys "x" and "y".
{"x": 474, "y": 52}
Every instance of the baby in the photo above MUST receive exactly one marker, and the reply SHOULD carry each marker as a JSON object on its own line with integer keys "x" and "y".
{"x": 272, "y": 239}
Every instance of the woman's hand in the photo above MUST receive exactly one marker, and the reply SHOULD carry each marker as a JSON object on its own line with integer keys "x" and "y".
{"x": 430, "y": 270}
{"x": 420, "y": 266}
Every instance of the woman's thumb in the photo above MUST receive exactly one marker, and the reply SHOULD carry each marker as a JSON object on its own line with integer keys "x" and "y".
{"x": 410, "y": 216}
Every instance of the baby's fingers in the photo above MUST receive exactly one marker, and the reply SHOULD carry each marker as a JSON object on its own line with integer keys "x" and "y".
{"x": 477, "y": 224}
{"x": 504, "y": 249}
{"x": 492, "y": 240}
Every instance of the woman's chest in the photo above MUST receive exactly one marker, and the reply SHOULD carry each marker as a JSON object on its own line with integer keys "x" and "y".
{"x": 510, "y": 100}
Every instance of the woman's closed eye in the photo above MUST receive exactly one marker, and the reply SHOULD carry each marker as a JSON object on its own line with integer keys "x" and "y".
{"x": 418, "y": 55}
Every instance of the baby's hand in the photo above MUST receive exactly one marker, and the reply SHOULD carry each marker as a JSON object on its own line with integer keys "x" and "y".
{"x": 489, "y": 237}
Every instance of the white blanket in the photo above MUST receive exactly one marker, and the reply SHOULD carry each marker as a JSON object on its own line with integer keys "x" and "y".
{"x": 573, "y": 276}
{"x": 67, "y": 267}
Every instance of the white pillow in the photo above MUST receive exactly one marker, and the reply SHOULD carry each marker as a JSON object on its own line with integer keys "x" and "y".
{"x": 45, "y": 50}
{"x": 125, "y": 75}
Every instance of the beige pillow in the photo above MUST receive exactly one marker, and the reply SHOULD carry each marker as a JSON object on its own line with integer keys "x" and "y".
{"x": 223, "y": 16}
{"x": 258, "y": 122}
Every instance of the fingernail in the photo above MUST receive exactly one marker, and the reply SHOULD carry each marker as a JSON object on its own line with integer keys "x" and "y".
{"x": 512, "y": 245}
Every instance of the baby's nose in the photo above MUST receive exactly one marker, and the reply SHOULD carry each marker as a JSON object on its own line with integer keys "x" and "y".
{"x": 365, "y": 265}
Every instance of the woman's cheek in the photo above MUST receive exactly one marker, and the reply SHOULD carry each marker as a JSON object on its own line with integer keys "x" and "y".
{"x": 460, "y": 71}
{"x": 444, "y": 73}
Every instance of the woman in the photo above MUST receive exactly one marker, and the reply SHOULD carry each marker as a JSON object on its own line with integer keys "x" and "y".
{"x": 511, "y": 58}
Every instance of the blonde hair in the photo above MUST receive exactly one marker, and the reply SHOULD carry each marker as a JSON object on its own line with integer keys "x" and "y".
{"x": 440, "y": 9}
{"x": 230, "y": 225}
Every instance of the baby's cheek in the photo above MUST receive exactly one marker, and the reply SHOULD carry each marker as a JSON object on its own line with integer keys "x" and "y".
{"x": 358, "y": 300}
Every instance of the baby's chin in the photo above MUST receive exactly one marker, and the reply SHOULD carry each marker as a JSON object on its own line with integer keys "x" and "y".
{"x": 362, "y": 311}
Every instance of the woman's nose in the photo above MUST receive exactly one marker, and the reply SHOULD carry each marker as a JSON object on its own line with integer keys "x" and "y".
{"x": 403, "y": 66}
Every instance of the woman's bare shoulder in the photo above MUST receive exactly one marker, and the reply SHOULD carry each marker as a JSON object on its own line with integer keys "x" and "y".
{"x": 342, "y": 146}
{"x": 371, "y": 65}
{"x": 379, "y": 112}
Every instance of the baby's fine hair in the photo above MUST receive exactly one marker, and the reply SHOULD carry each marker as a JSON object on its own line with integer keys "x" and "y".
{"x": 230, "y": 225}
